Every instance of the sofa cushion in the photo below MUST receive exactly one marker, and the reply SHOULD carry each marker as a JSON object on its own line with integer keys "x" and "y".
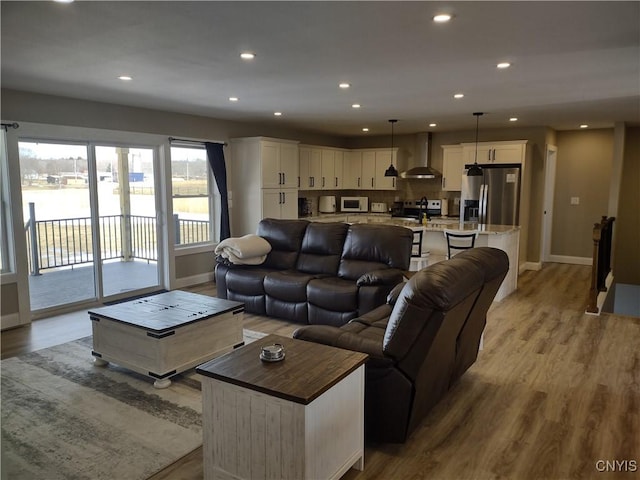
{"x": 285, "y": 238}
{"x": 360, "y": 255}
{"x": 334, "y": 294}
{"x": 321, "y": 247}
{"x": 288, "y": 285}
{"x": 292, "y": 311}
{"x": 247, "y": 281}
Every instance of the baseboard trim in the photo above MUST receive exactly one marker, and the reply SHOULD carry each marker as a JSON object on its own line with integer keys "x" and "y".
{"x": 10, "y": 321}
{"x": 529, "y": 266}
{"x": 569, "y": 259}
{"x": 193, "y": 280}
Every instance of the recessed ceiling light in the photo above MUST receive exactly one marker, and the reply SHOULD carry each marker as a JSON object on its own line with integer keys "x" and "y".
{"x": 125, "y": 78}
{"x": 63, "y": 1}
{"x": 433, "y": 124}
{"x": 355, "y": 105}
{"x": 442, "y": 18}
{"x": 344, "y": 85}
{"x": 584, "y": 125}
{"x": 233, "y": 99}
{"x": 277, "y": 114}
{"x": 513, "y": 119}
{"x": 247, "y": 55}
{"x": 365, "y": 129}
{"x": 458, "y": 95}
{"x": 503, "y": 65}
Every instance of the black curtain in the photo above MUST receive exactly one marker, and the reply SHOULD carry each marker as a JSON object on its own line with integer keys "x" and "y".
{"x": 215, "y": 155}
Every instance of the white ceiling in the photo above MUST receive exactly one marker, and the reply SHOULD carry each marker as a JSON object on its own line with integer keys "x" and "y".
{"x": 572, "y": 62}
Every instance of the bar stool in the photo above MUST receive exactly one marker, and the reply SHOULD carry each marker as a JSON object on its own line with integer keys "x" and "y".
{"x": 457, "y": 240}
{"x": 419, "y": 259}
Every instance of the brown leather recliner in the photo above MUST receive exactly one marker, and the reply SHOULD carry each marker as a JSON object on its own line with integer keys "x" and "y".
{"x": 421, "y": 341}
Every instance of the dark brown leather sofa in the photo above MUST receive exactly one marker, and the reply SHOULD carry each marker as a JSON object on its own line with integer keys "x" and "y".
{"x": 319, "y": 273}
{"x": 421, "y": 341}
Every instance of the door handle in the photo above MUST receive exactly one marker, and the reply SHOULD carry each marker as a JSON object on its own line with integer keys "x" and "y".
{"x": 336, "y": 181}
{"x": 322, "y": 182}
{"x": 284, "y": 178}
{"x": 444, "y": 182}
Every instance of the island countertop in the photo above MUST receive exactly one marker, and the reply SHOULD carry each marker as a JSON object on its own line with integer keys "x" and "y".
{"x": 438, "y": 224}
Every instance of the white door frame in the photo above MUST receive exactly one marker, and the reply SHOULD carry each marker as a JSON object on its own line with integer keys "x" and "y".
{"x": 551, "y": 152}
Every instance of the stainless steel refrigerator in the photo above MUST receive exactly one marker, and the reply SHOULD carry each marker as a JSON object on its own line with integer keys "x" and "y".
{"x": 492, "y": 198}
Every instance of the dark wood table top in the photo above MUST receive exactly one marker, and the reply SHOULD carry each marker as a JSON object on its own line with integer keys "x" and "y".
{"x": 307, "y": 371}
{"x": 166, "y": 311}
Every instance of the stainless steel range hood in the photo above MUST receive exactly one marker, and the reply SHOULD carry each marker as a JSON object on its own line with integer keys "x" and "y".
{"x": 423, "y": 172}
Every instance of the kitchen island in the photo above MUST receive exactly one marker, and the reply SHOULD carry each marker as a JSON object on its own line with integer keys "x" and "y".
{"x": 504, "y": 237}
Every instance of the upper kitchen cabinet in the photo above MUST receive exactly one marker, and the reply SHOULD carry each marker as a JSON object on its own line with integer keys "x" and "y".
{"x": 263, "y": 181}
{"x": 452, "y": 168}
{"x": 364, "y": 169}
{"x": 332, "y": 166}
{"x": 495, "y": 152}
{"x": 339, "y": 169}
{"x": 321, "y": 168}
{"x": 352, "y": 170}
{"x": 384, "y": 158}
{"x": 310, "y": 168}
{"x": 279, "y": 164}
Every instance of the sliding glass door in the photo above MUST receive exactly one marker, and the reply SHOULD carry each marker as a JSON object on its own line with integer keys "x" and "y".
{"x": 127, "y": 213}
{"x": 90, "y": 222}
{"x": 59, "y": 231}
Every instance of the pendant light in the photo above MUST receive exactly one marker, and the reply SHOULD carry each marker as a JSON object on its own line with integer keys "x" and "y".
{"x": 391, "y": 171}
{"x": 475, "y": 170}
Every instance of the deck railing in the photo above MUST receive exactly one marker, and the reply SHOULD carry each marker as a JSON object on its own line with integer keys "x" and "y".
{"x": 69, "y": 241}
{"x": 601, "y": 266}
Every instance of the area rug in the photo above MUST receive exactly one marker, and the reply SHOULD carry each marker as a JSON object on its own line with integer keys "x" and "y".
{"x": 63, "y": 418}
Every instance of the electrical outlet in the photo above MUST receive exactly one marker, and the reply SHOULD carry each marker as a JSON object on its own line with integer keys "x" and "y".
{"x": 575, "y": 200}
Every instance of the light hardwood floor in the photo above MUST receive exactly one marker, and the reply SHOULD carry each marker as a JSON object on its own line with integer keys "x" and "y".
{"x": 553, "y": 392}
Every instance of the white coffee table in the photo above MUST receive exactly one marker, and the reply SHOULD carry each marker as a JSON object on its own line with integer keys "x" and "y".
{"x": 165, "y": 334}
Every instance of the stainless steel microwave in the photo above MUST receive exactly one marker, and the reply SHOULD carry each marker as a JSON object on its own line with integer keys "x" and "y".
{"x": 354, "y": 204}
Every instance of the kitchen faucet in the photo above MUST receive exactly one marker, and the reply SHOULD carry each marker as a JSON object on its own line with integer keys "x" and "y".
{"x": 422, "y": 213}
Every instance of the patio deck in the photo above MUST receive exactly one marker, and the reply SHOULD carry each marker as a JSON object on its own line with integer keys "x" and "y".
{"x": 62, "y": 286}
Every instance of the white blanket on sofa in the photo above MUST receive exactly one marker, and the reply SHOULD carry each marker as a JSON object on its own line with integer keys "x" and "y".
{"x": 248, "y": 250}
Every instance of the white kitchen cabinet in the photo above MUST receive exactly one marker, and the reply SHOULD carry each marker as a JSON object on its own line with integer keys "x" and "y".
{"x": 329, "y": 175}
{"x": 321, "y": 168}
{"x": 338, "y": 160}
{"x": 495, "y": 152}
{"x": 368, "y": 170}
{"x": 280, "y": 203}
{"x": 384, "y": 158}
{"x": 279, "y": 164}
{"x": 263, "y": 181}
{"x": 364, "y": 169}
{"x": 310, "y": 162}
{"x": 352, "y": 170}
{"x": 452, "y": 168}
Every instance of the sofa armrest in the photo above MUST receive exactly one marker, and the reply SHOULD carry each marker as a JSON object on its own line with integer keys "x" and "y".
{"x": 387, "y": 276}
{"x": 336, "y": 337}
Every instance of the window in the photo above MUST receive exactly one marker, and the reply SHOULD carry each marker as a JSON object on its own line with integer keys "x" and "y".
{"x": 192, "y": 199}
